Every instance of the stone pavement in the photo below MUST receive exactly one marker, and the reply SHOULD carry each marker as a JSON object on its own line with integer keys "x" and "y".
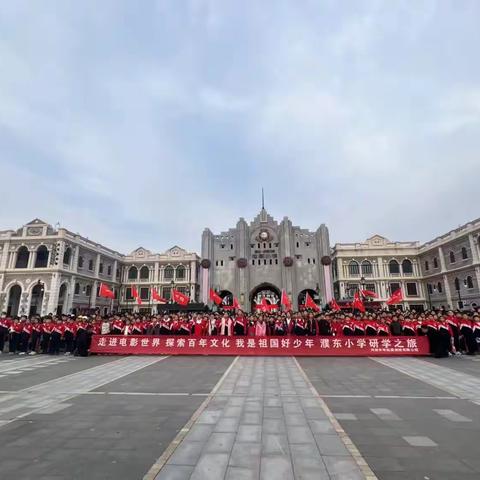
{"x": 265, "y": 422}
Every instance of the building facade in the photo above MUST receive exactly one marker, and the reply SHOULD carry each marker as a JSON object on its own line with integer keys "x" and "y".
{"x": 381, "y": 266}
{"x": 44, "y": 270}
{"x": 176, "y": 268}
{"x": 444, "y": 272}
{"x": 260, "y": 259}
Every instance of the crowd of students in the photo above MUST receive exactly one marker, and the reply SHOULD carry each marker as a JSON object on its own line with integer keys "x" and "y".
{"x": 449, "y": 332}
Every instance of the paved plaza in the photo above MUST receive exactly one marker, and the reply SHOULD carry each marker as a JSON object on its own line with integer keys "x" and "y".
{"x": 239, "y": 418}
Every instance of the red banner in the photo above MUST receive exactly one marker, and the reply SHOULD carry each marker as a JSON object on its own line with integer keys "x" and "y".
{"x": 278, "y": 346}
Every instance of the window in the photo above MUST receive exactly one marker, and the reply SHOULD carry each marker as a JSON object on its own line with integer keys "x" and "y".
{"x": 264, "y": 245}
{"x": 308, "y": 260}
{"x": 440, "y": 287}
{"x": 351, "y": 288}
{"x": 132, "y": 273}
{"x": 231, "y": 246}
{"x": 429, "y": 288}
{"x": 394, "y": 267}
{"x": 269, "y": 245}
{"x": 394, "y": 287}
{"x": 367, "y": 268}
{"x": 77, "y": 289}
{"x": 42, "y": 257}
{"x": 412, "y": 289}
{"x": 276, "y": 261}
{"x": 370, "y": 287}
{"x": 253, "y": 262}
{"x": 313, "y": 260}
{"x": 307, "y": 244}
{"x": 109, "y": 270}
{"x": 128, "y": 294}
{"x": 23, "y": 256}
{"x": 222, "y": 245}
{"x": 457, "y": 284}
{"x": 166, "y": 293}
{"x": 88, "y": 290}
{"x": 427, "y": 266}
{"x": 464, "y": 253}
{"x": 353, "y": 268}
{"x": 452, "y": 257}
{"x": 90, "y": 264}
{"x": 144, "y": 273}
{"x": 144, "y": 293}
{"x": 181, "y": 273}
{"x": 298, "y": 244}
{"x": 469, "y": 282}
{"x": 435, "y": 262}
{"x": 168, "y": 273}
{"x": 265, "y": 262}
{"x": 80, "y": 262}
{"x": 100, "y": 268}
{"x": 271, "y": 262}
{"x": 407, "y": 267}
{"x": 67, "y": 256}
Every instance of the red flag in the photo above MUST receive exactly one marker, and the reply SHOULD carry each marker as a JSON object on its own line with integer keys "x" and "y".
{"x": 157, "y": 297}
{"x": 368, "y": 293}
{"x": 285, "y": 301}
{"x": 334, "y": 305}
{"x": 309, "y": 303}
{"x": 357, "y": 303}
{"x": 395, "y": 297}
{"x": 215, "y": 297}
{"x": 105, "y": 292}
{"x": 236, "y": 305}
{"x": 180, "y": 298}
{"x": 136, "y": 295}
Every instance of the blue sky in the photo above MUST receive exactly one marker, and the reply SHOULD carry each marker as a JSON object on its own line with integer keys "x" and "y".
{"x": 141, "y": 123}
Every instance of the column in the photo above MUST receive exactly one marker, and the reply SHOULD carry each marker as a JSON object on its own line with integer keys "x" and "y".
{"x": 93, "y": 301}
{"x": 473, "y": 248}
{"x": 97, "y": 265}
{"x": 70, "y": 295}
{"x": 53, "y": 293}
{"x": 442, "y": 260}
{"x": 31, "y": 258}
{"x": 156, "y": 271}
{"x": 76, "y": 252}
{"x": 448, "y": 292}
{"x": 193, "y": 279}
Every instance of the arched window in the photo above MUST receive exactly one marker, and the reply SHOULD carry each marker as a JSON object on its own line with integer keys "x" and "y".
{"x": 42, "y": 257}
{"x": 77, "y": 288}
{"x": 353, "y": 268}
{"x": 457, "y": 284}
{"x": 80, "y": 262}
{"x": 394, "y": 267}
{"x": 67, "y": 256}
{"x": 427, "y": 266}
{"x": 435, "y": 262}
{"x": 22, "y": 257}
{"x": 180, "y": 272}
{"x": 469, "y": 282}
{"x": 439, "y": 287}
{"x": 132, "y": 273}
{"x": 168, "y": 273}
{"x": 452, "y": 257}
{"x": 367, "y": 268}
{"x": 144, "y": 273}
{"x": 464, "y": 253}
{"x": 407, "y": 267}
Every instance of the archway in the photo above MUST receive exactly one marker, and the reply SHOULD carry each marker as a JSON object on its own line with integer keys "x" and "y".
{"x": 37, "y": 299}
{"x": 62, "y": 299}
{"x": 14, "y": 296}
{"x": 303, "y": 295}
{"x": 227, "y": 299}
{"x": 266, "y": 295}
{"x": 23, "y": 256}
{"x": 41, "y": 261}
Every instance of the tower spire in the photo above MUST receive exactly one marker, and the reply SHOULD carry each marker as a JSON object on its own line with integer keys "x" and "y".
{"x": 263, "y": 201}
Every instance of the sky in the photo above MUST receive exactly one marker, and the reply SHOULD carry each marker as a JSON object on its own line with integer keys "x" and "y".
{"x": 142, "y": 123}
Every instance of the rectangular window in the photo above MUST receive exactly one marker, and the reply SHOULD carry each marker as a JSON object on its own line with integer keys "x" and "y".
{"x": 394, "y": 287}
{"x": 429, "y": 288}
{"x": 313, "y": 260}
{"x": 144, "y": 293}
{"x": 253, "y": 262}
{"x": 100, "y": 268}
{"x": 308, "y": 260}
{"x": 109, "y": 270}
{"x": 128, "y": 294}
{"x": 370, "y": 287}
{"x": 90, "y": 264}
{"x": 412, "y": 289}
{"x": 166, "y": 293}
{"x": 231, "y": 246}
{"x": 77, "y": 289}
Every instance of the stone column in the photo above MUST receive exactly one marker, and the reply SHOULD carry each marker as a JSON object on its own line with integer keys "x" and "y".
{"x": 193, "y": 279}
{"x": 93, "y": 301}
{"x": 76, "y": 253}
{"x": 53, "y": 293}
{"x": 32, "y": 257}
{"x": 448, "y": 292}
{"x": 70, "y": 295}
{"x": 473, "y": 248}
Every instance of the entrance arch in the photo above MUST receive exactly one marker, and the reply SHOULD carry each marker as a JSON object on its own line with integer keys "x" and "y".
{"x": 303, "y": 294}
{"x": 14, "y": 296}
{"x": 37, "y": 299}
{"x": 227, "y": 298}
{"x": 265, "y": 292}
